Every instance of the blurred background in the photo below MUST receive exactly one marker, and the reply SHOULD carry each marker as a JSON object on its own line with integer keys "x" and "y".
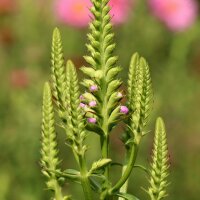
{"x": 166, "y": 33}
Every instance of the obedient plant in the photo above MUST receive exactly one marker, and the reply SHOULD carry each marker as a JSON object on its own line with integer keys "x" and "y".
{"x": 97, "y": 111}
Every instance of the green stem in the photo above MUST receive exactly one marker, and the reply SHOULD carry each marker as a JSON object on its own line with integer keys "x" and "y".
{"x": 124, "y": 188}
{"x": 58, "y": 192}
{"x": 105, "y": 152}
{"x": 127, "y": 171}
{"x": 84, "y": 179}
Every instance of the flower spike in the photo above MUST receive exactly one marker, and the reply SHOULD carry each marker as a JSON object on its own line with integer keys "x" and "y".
{"x": 159, "y": 166}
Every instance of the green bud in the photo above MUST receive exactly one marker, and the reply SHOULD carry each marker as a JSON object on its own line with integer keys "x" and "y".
{"x": 98, "y": 74}
{"x": 89, "y": 71}
{"x": 87, "y": 83}
{"x": 112, "y": 73}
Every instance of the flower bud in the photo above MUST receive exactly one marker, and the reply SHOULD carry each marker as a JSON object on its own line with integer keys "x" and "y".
{"x": 92, "y": 103}
{"x": 92, "y": 120}
{"x": 82, "y": 105}
{"x": 93, "y": 88}
{"x": 124, "y": 110}
{"x": 81, "y": 97}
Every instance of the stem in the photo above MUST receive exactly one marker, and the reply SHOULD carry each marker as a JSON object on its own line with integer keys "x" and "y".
{"x": 124, "y": 187}
{"x": 105, "y": 152}
{"x": 58, "y": 192}
{"x": 84, "y": 179}
{"x": 127, "y": 171}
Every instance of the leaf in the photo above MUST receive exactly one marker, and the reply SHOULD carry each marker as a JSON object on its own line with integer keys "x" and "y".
{"x": 71, "y": 172}
{"x": 100, "y": 164}
{"x": 126, "y": 196}
{"x": 94, "y": 185}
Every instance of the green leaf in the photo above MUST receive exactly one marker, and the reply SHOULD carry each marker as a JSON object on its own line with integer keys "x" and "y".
{"x": 127, "y": 196}
{"x": 72, "y": 172}
{"x": 100, "y": 164}
{"x": 94, "y": 185}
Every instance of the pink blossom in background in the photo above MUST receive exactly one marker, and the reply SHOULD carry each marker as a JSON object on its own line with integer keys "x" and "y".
{"x": 76, "y": 12}
{"x": 120, "y": 10}
{"x": 19, "y": 78}
{"x": 176, "y": 14}
{"x": 7, "y": 6}
{"x": 73, "y": 12}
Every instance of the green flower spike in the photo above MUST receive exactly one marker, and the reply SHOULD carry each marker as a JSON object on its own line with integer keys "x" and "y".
{"x": 139, "y": 102}
{"x": 102, "y": 74}
{"x": 58, "y": 72}
{"x": 140, "y": 96}
{"x": 75, "y": 122}
{"x": 159, "y": 165}
{"x": 75, "y": 128}
{"x": 102, "y": 71}
{"x": 49, "y": 152}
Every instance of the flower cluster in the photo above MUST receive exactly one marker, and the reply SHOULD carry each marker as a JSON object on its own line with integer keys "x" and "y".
{"x": 88, "y": 104}
{"x": 76, "y": 12}
{"x": 176, "y": 14}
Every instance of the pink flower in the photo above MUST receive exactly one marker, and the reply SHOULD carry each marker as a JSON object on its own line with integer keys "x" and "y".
{"x": 93, "y": 88}
{"x": 124, "y": 110}
{"x": 19, "y": 78}
{"x": 92, "y": 120}
{"x": 176, "y": 14}
{"x": 92, "y": 103}
{"x": 120, "y": 10}
{"x": 82, "y": 105}
{"x": 73, "y": 12}
{"x": 81, "y": 97}
{"x": 76, "y": 12}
